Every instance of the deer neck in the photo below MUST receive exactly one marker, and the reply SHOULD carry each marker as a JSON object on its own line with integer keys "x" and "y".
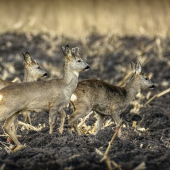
{"x": 132, "y": 88}
{"x": 70, "y": 76}
{"x": 28, "y": 76}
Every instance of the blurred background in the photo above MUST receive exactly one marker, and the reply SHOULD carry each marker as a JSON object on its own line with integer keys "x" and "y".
{"x": 75, "y": 18}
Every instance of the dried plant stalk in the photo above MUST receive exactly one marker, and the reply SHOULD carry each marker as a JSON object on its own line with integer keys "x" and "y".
{"x": 94, "y": 129}
{"x": 158, "y": 44}
{"x": 4, "y": 145}
{"x": 124, "y": 79}
{"x": 108, "y": 163}
{"x": 6, "y": 135}
{"x": 16, "y": 80}
{"x": 106, "y": 157}
{"x": 2, "y": 167}
{"x": 30, "y": 127}
{"x": 83, "y": 121}
{"x": 116, "y": 165}
{"x": 108, "y": 123}
{"x": 98, "y": 152}
{"x": 113, "y": 138}
{"x": 142, "y": 166}
{"x": 147, "y": 60}
{"x": 82, "y": 130}
{"x": 158, "y": 95}
{"x": 74, "y": 156}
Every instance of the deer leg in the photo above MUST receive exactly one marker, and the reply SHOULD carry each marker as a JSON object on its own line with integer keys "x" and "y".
{"x": 76, "y": 128}
{"x": 26, "y": 118}
{"x": 99, "y": 122}
{"x": 116, "y": 118}
{"x": 26, "y": 114}
{"x": 80, "y": 112}
{"x": 15, "y": 125}
{"x": 7, "y": 126}
{"x": 52, "y": 118}
{"x": 29, "y": 117}
{"x": 63, "y": 116}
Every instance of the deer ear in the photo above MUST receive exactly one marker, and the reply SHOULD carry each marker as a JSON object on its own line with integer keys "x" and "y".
{"x": 73, "y": 51}
{"x": 138, "y": 68}
{"x": 28, "y": 59}
{"x": 76, "y": 51}
{"x": 65, "y": 50}
{"x": 133, "y": 67}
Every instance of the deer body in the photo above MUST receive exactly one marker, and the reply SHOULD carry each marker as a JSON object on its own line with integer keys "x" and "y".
{"x": 105, "y": 99}
{"x": 4, "y": 83}
{"x": 32, "y": 72}
{"x": 34, "y": 96}
{"x": 48, "y": 96}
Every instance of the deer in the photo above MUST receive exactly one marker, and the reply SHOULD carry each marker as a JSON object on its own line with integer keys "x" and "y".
{"x": 106, "y": 99}
{"x": 32, "y": 72}
{"x": 50, "y": 95}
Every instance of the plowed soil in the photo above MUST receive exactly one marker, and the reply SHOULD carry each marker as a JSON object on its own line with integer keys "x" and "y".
{"x": 109, "y": 58}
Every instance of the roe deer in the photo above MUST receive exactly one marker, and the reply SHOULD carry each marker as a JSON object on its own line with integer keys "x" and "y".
{"x": 32, "y": 72}
{"x": 105, "y": 99}
{"x": 51, "y": 95}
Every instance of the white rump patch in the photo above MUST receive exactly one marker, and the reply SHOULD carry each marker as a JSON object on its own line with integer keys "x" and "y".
{"x": 76, "y": 73}
{"x": 73, "y": 97}
{"x": 1, "y": 97}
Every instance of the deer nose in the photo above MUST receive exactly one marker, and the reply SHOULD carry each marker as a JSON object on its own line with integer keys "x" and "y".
{"x": 87, "y": 67}
{"x": 152, "y": 87}
{"x": 45, "y": 75}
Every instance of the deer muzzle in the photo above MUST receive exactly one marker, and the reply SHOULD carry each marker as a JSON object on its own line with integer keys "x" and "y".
{"x": 152, "y": 87}
{"x": 87, "y": 68}
{"x": 45, "y": 75}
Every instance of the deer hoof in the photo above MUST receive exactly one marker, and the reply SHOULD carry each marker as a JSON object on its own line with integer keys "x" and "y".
{"x": 61, "y": 130}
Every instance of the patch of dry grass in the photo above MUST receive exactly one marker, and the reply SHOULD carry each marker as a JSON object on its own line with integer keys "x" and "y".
{"x": 77, "y": 18}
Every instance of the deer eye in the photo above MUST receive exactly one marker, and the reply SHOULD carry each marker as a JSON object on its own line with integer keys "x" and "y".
{"x": 38, "y": 68}
{"x": 146, "y": 78}
{"x": 79, "y": 61}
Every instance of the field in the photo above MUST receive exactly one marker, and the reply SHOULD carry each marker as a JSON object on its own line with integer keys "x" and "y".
{"x": 77, "y": 18}
{"x": 145, "y": 129}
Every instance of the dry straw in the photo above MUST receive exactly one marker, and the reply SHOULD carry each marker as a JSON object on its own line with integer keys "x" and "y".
{"x": 2, "y": 167}
{"x": 106, "y": 155}
{"x": 30, "y": 127}
{"x": 158, "y": 95}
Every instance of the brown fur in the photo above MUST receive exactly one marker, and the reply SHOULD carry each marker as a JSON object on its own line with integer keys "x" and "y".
{"x": 105, "y": 99}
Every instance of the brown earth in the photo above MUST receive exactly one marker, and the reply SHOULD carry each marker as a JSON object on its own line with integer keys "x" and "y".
{"x": 109, "y": 58}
